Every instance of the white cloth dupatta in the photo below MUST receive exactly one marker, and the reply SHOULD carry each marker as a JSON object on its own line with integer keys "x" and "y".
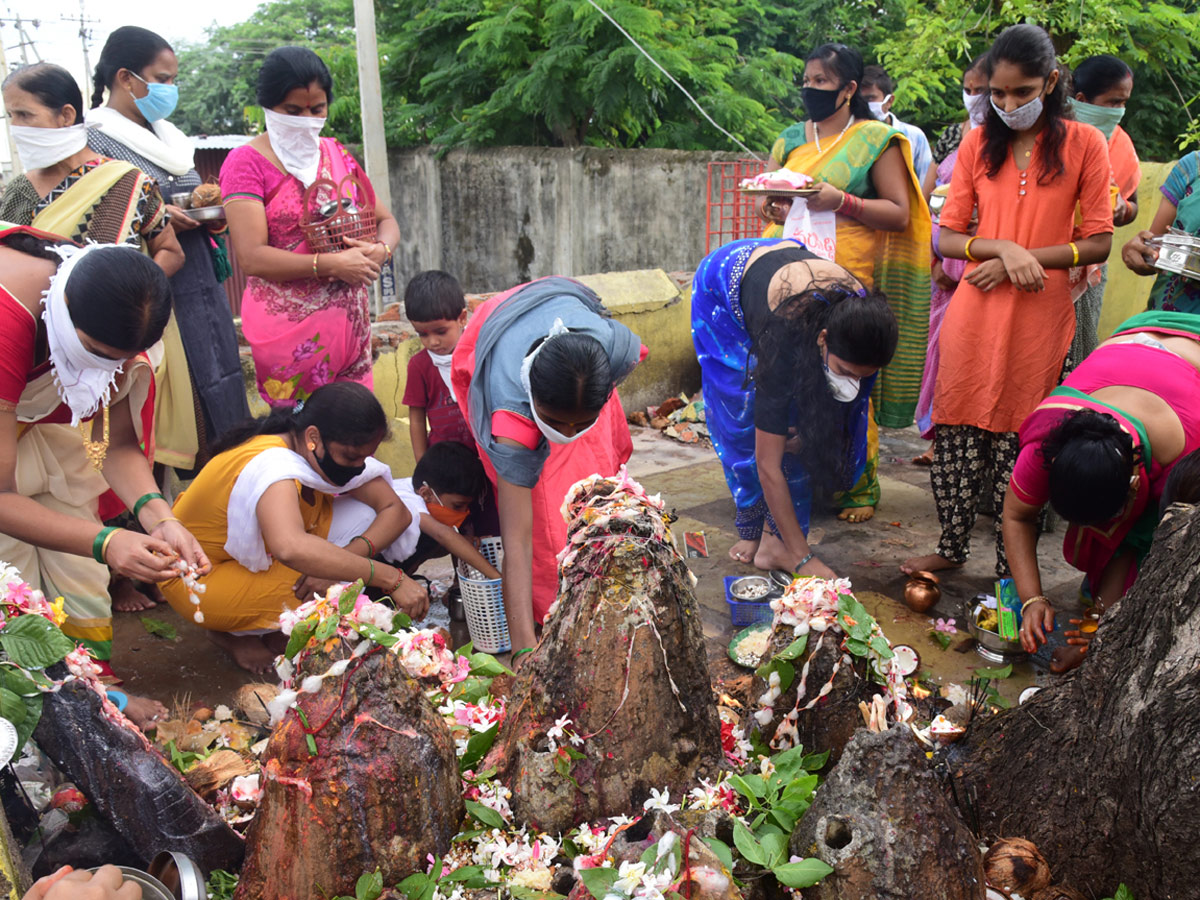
{"x": 165, "y": 146}
{"x": 245, "y": 540}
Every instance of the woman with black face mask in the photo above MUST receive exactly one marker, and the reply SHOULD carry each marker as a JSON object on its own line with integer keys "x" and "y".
{"x": 262, "y": 509}
{"x": 869, "y": 217}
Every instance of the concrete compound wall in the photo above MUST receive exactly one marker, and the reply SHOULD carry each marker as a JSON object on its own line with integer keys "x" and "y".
{"x": 497, "y": 217}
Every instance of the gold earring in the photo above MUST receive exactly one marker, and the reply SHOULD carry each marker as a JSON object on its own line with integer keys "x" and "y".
{"x": 312, "y": 446}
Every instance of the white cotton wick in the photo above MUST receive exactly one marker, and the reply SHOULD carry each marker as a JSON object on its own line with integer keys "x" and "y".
{"x": 198, "y": 617}
{"x": 338, "y": 668}
{"x": 311, "y": 684}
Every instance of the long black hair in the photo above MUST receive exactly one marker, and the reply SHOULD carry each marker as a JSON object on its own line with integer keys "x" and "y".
{"x": 1090, "y": 459}
{"x": 344, "y": 412}
{"x": 287, "y": 68}
{"x": 847, "y": 64}
{"x": 1097, "y": 75}
{"x": 571, "y": 373}
{"x": 53, "y": 86}
{"x": 129, "y": 47}
{"x": 1030, "y": 49}
{"x": 119, "y": 296}
{"x": 859, "y": 328}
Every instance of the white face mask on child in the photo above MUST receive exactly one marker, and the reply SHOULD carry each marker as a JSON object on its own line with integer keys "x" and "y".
{"x": 549, "y": 433}
{"x": 441, "y": 362}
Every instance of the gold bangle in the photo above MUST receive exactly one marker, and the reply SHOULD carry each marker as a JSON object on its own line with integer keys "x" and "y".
{"x": 1038, "y": 599}
{"x": 967, "y": 248}
{"x": 164, "y": 519}
{"x": 1074, "y": 253}
{"x": 107, "y": 541}
{"x": 316, "y": 256}
{"x": 838, "y": 208}
{"x": 386, "y": 248}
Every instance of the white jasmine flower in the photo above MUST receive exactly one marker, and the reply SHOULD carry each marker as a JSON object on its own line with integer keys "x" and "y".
{"x": 660, "y": 801}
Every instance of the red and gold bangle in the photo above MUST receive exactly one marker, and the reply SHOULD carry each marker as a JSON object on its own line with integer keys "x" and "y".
{"x": 316, "y": 256}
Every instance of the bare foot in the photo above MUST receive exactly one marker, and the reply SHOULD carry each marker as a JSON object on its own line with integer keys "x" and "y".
{"x": 857, "y": 513}
{"x": 743, "y": 551}
{"x": 772, "y": 554}
{"x": 931, "y": 563}
{"x": 248, "y": 651}
{"x": 144, "y": 712}
{"x": 126, "y": 597}
{"x": 1066, "y": 658}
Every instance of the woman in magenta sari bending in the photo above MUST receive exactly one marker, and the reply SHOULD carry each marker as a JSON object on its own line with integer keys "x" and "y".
{"x": 304, "y": 314}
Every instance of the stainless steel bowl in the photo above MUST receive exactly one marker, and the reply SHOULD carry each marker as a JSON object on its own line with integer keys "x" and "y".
{"x": 152, "y": 888}
{"x": 990, "y": 645}
{"x": 183, "y": 199}
{"x": 207, "y": 213}
{"x": 179, "y": 875}
{"x": 740, "y": 589}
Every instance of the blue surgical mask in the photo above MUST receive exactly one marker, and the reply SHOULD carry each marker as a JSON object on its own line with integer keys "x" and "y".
{"x": 159, "y": 102}
{"x": 1106, "y": 118}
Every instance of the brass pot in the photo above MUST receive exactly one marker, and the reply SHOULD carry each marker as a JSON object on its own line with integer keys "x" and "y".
{"x": 921, "y": 592}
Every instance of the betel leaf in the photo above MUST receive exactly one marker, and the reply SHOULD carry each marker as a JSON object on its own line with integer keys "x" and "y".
{"x": 378, "y": 635}
{"x": 994, "y": 674}
{"x": 857, "y": 647}
{"x": 478, "y": 745}
{"x": 369, "y": 886}
{"x": 158, "y": 627}
{"x": 802, "y": 874}
{"x": 721, "y": 850}
{"x": 599, "y": 881}
{"x": 880, "y": 646}
{"x": 746, "y": 844}
{"x": 33, "y": 715}
{"x": 484, "y": 814}
{"x": 12, "y": 707}
{"x": 794, "y": 649}
{"x": 301, "y": 633}
{"x": 346, "y": 604}
{"x": 33, "y": 642}
{"x": 327, "y": 629}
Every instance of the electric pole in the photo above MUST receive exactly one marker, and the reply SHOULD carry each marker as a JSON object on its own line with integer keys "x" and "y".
{"x": 370, "y": 96}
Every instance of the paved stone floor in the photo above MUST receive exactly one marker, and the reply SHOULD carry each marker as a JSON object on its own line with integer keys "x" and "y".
{"x": 691, "y": 482}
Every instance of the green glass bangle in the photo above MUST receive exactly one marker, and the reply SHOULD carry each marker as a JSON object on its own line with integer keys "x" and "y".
{"x": 98, "y": 543}
{"x": 371, "y": 577}
{"x": 144, "y": 499}
{"x": 366, "y": 540}
{"x": 522, "y": 650}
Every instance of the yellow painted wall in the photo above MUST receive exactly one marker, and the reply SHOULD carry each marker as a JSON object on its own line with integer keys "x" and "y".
{"x": 1127, "y": 293}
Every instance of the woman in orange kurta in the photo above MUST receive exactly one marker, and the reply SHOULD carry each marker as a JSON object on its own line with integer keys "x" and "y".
{"x": 1010, "y": 323}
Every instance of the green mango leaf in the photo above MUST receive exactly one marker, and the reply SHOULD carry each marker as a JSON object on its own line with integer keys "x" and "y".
{"x": 33, "y": 642}
{"x": 477, "y": 747}
{"x": 599, "y": 881}
{"x": 159, "y": 628}
{"x": 721, "y": 850}
{"x": 484, "y": 814}
{"x": 345, "y": 607}
{"x": 16, "y": 681}
{"x": 794, "y": 649}
{"x": 994, "y": 674}
{"x": 801, "y": 874}
{"x": 300, "y": 637}
{"x": 369, "y": 886}
{"x": 12, "y": 707}
{"x": 751, "y": 850}
{"x": 880, "y": 646}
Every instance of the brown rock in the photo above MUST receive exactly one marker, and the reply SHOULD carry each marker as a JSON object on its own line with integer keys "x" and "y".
{"x": 381, "y": 792}
{"x": 883, "y": 822}
{"x": 623, "y": 658}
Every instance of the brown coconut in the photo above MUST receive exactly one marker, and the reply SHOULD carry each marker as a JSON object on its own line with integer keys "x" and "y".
{"x": 252, "y": 700}
{"x": 216, "y": 772}
{"x": 1015, "y": 864}
{"x": 1057, "y": 892}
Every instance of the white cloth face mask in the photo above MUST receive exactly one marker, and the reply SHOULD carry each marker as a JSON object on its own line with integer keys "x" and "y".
{"x": 296, "y": 140}
{"x": 549, "y": 433}
{"x": 40, "y": 148}
{"x": 976, "y": 106}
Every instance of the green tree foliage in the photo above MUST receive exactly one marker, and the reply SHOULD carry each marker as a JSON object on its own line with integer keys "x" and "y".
{"x": 217, "y": 76}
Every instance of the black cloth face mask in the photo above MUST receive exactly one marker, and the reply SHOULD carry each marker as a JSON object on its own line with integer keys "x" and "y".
{"x": 335, "y": 472}
{"x": 821, "y": 103}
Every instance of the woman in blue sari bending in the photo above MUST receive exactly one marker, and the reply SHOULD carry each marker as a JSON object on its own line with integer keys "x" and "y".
{"x": 789, "y": 345}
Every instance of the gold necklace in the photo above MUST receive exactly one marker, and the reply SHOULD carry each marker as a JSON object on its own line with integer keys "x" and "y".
{"x": 95, "y": 450}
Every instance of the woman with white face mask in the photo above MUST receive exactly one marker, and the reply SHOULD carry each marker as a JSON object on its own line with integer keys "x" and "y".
{"x": 789, "y": 345}
{"x": 535, "y": 374}
{"x": 304, "y": 314}
{"x": 1005, "y": 335}
{"x": 73, "y": 379}
{"x": 137, "y": 71}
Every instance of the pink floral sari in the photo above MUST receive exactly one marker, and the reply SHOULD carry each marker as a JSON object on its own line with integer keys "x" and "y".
{"x": 307, "y": 332}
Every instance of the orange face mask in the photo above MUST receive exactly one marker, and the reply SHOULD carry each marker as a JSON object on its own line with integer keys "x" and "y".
{"x": 447, "y": 516}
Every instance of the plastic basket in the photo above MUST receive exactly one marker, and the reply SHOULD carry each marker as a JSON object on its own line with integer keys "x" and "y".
{"x": 746, "y": 612}
{"x": 483, "y": 601}
{"x": 354, "y": 216}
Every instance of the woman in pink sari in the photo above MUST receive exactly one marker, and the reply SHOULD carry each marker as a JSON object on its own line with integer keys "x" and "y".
{"x": 304, "y": 314}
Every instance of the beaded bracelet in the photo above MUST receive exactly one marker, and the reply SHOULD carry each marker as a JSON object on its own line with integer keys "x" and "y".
{"x": 144, "y": 499}
{"x": 100, "y": 542}
{"x": 399, "y": 580}
{"x": 366, "y": 540}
